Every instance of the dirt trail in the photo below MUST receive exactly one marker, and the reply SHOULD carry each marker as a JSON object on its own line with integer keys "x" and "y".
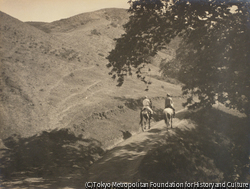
{"x": 121, "y": 163}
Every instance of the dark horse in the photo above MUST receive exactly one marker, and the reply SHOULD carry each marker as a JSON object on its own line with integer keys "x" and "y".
{"x": 145, "y": 117}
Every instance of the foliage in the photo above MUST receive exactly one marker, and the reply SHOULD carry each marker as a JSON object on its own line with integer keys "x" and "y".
{"x": 214, "y": 55}
{"x": 170, "y": 69}
{"x": 135, "y": 47}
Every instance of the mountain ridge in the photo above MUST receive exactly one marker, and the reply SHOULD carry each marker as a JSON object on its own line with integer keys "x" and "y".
{"x": 111, "y": 14}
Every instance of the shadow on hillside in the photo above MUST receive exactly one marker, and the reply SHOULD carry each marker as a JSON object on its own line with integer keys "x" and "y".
{"x": 52, "y": 159}
{"x": 136, "y": 104}
{"x": 200, "y": 148}
{"x": 158, "y": 114}
{"x": 120, "y": 164}
{"x": 126, "y": 134}
{"x": 215, "y": 150}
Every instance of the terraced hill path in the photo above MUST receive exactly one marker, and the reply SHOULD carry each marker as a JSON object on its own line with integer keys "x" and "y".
{"x": 121, "y": 164}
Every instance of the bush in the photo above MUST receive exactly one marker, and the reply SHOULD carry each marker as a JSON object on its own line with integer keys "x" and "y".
{"x": 95, "y": 32}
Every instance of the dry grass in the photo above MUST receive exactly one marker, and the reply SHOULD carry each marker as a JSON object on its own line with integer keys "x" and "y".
{"x": 59, "y": 109}
{"x": 54, "y": 84}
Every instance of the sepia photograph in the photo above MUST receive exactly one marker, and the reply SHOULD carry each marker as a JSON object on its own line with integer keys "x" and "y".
{"x": 124, "y": 94}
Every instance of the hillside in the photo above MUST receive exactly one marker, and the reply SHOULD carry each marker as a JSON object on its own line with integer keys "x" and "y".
{"x": 54, "y": 80}
{"x": 97, "y": 29}
{"x": 57, "y": 96}
{"x": 208, "y": 146}
{"x": 31, "y": 63}
{"x": 60, "y": 113}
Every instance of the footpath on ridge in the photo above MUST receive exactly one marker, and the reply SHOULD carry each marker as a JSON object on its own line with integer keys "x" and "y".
{"x": 121, "y": 163}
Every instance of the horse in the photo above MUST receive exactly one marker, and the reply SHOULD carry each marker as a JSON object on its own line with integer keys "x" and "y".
{"x": 168, "y": 116}
{"x": 145, "y": 115}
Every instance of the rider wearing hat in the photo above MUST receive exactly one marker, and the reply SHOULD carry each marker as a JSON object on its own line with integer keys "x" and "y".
{"x": 147, "y": 103}
{"x": 169, "y": 103}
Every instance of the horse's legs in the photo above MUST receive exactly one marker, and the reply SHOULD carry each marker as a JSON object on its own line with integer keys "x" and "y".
{"x": 165, "y": 118}
{"x": 141, "y": 121}
{"x": 141, "y": 118}
{"x": 171, "y": 117}
{"x": 143, "y": 124}
{"x": 168, "y": 120}
{"x": 149, "y": 122}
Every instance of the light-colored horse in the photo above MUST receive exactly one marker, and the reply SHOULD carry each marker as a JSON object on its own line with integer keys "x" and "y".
{"x": 145, "y": 116}
{"x": 168, "y": 116}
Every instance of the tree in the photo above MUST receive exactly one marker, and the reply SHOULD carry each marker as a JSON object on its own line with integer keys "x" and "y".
{"x": 135, "y": 47}
{"x": 214, "y": 55}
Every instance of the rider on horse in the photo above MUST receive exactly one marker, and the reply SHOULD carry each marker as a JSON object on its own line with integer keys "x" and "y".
{"x": 169, "y": 103}
{"x": 147, "y": 104}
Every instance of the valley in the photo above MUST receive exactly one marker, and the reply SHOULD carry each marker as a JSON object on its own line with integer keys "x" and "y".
{"x": 62, "y": 117}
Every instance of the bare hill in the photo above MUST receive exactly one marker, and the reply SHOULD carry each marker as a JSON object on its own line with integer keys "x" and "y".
{"x": 97, "y": 29}
{"x": 114, "y": 16}
{"x": 59, "y": 79}
{"x": 31, "y": 62}
{"x": 57, "y": 99}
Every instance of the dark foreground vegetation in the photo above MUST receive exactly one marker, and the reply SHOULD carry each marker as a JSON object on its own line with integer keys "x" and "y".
{"x": 209, "y": 145}
{"x": 57, "y": 157}
{"x": 216, "y": 149}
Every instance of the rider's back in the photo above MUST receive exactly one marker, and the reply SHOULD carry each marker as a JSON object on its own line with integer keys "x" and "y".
{"x": 168, "y": 102}
{"x": 146, "y": 102}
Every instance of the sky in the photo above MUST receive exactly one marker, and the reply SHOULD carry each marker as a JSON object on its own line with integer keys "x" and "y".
{"x": 51, "y": 10}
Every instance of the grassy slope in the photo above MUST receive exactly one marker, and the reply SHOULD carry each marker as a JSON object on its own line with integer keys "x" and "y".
{"x": 57, "y": 99}
{"x": 59, "y": 80}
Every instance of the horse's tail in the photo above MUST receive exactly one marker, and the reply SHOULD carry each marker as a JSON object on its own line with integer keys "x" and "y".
{"x": 165, "y": 118}
{"x": 168, "y": 115}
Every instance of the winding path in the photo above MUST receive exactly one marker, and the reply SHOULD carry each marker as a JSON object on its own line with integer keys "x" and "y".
{"x": 121, "y": 163}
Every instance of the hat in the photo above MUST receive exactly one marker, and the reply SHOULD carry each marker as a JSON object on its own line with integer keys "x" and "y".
{"x": 146, "y": 96}
{"x": 168, "y": 94}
